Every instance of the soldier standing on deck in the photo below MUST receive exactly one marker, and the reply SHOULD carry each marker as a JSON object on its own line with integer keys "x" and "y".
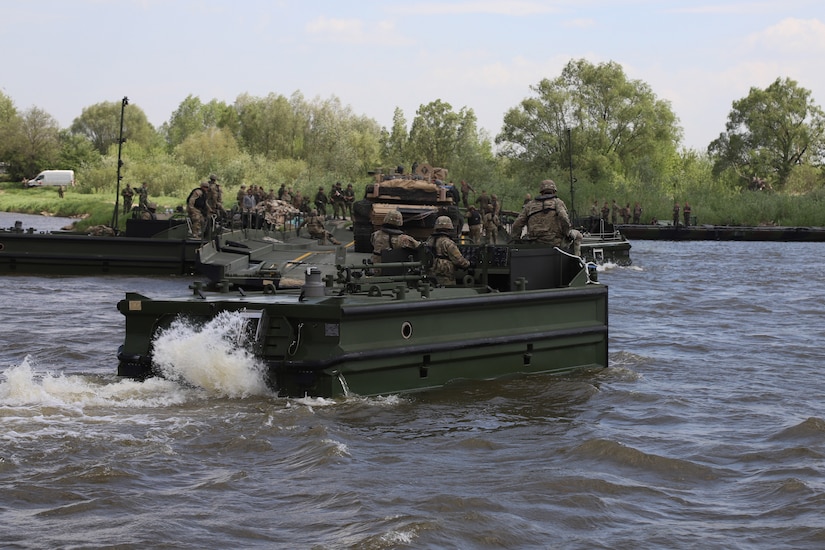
{"x": 337, "y": 197}
{"x": 321, "y": 201}
{"x": 490, "y": 224}
{"x": 446, "y": 253}
{"x": 474, "y": 224}
{"x": 545, "y": 217}
{"x": 349, "y": 198}
{"x": 143, "y": 196}
{"x": 197, "y": 208}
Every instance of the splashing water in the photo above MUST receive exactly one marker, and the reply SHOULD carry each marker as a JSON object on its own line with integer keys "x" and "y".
{"x": 210, "y": 356}
{"x": 24, "y": 386}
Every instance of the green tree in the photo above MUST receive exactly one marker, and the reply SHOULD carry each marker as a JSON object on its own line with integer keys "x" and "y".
{"x": 100, "y": 123}
{"x": 76, "y": 151}
{"x": 338, "y": 143}
{"x": 394, "y": 142}
{"x": 619, "y": 127}
{"x": 192, "y": 116}
{"x": 473, "y": 158}
{"x": 9, "y": 136}
{"x": 769, "y": 132}
{"x": 39, "y": 143}
{"x": 434, "y": 134}
{"x": 272, "y": 126}
{"x": 208, "y": 151}
{"x": 187, "y": 119}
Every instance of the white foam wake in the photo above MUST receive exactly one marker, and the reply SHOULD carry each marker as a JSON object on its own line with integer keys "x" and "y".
{"x": 211, "y": 356}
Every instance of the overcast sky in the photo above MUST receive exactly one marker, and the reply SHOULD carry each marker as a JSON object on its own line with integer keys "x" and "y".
{"x": 64, "y": 55}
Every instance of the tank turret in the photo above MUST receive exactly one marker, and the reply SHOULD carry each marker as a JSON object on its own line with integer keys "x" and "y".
{"x": 420, "y": 197}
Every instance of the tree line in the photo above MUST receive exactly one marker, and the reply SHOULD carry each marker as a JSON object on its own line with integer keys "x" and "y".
{"x": 592, "y": 126}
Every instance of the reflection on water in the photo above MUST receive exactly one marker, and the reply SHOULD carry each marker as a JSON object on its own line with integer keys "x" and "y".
{"x": 38, "y": 223}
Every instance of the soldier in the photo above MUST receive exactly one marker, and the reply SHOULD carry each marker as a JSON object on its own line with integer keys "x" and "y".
{"x": 197, "y": 208}
{"x": 149, "y": 212}
{"x": 675, "y": 214}
{"x": 545, "y": 217}
{"x": 574, "y": 236}
{"x": 625, "y": 213}
{"x": 490, "y": 224}
{"x": 686, "y": 213}
{"x": 241, "y": 194}
{"x": 215, "y": 196}
{"x": 143, "y": 196}
{"x": 316, "y": 229}
{"x": 391, "y": 236}
{"x": 321, "y": 201}
{"x": 614, "y": 213}
{"x": 605, "y": 212}
{"x": 482, "y": 201}
{"x": 446, "y": 253}
{"x": 466, "y": 188}
{"x": 128, "y": 193}
{"x": 474, "y": 223}
{"x": 337, "y": 198}
{"x": 637, "y": 213}
{"x": 349, "y": 198}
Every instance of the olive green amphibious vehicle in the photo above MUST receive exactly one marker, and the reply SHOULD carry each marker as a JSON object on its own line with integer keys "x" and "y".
{"x": 326, "y": 322}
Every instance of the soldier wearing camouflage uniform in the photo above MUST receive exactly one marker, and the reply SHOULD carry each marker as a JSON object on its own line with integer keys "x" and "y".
{"x": 128, "y": 194}
{"x": 316, "y": 229}
{"x": 490, "y": 224}
{"x": 198, "y": 209}
{"x": 545, "y": 217}
{"x": 143, "y": 196}
{"x": 474, "y": 224}
{"x": 390, "y": 236}
{"x": 447, "y": 255}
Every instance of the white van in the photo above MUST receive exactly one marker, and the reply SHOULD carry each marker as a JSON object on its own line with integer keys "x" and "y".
{"x": 52, "y": 177}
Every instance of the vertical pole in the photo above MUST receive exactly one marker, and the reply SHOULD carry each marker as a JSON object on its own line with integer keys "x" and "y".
{"x": 120, "y": 142}
{"x": 573, "y": 215}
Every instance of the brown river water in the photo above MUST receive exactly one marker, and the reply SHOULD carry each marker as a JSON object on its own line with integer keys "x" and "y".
{"x": 706, "y": 431}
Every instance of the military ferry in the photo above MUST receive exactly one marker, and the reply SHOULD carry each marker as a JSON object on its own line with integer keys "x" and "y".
{"x": 323, "y": 321}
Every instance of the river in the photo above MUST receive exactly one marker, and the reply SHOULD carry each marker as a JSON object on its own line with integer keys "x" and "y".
{"x": 706, "y": 431}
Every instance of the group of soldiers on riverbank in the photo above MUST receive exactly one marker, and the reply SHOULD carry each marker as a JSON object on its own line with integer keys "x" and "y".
{"x": 611, "y": 213}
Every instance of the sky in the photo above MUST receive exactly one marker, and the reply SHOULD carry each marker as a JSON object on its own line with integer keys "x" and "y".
{"x": 65, "y": 55}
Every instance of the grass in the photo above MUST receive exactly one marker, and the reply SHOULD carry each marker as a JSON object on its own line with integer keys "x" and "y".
{"x": 87, "y": 209}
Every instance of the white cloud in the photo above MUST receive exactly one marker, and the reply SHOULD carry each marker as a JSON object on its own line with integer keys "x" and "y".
{"x": 354, "y": 31}
{"x": 791, "y": 35}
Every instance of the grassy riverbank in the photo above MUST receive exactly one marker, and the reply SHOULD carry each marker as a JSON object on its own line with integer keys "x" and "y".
{"x": 87, "y": 208}
{"x": 748, "y": 208}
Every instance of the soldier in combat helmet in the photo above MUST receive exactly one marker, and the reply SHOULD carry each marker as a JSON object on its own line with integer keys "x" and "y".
{"x": 446, "y": 252}
{"x": 390, "y": 236}
{"x": 545, "y": 217}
